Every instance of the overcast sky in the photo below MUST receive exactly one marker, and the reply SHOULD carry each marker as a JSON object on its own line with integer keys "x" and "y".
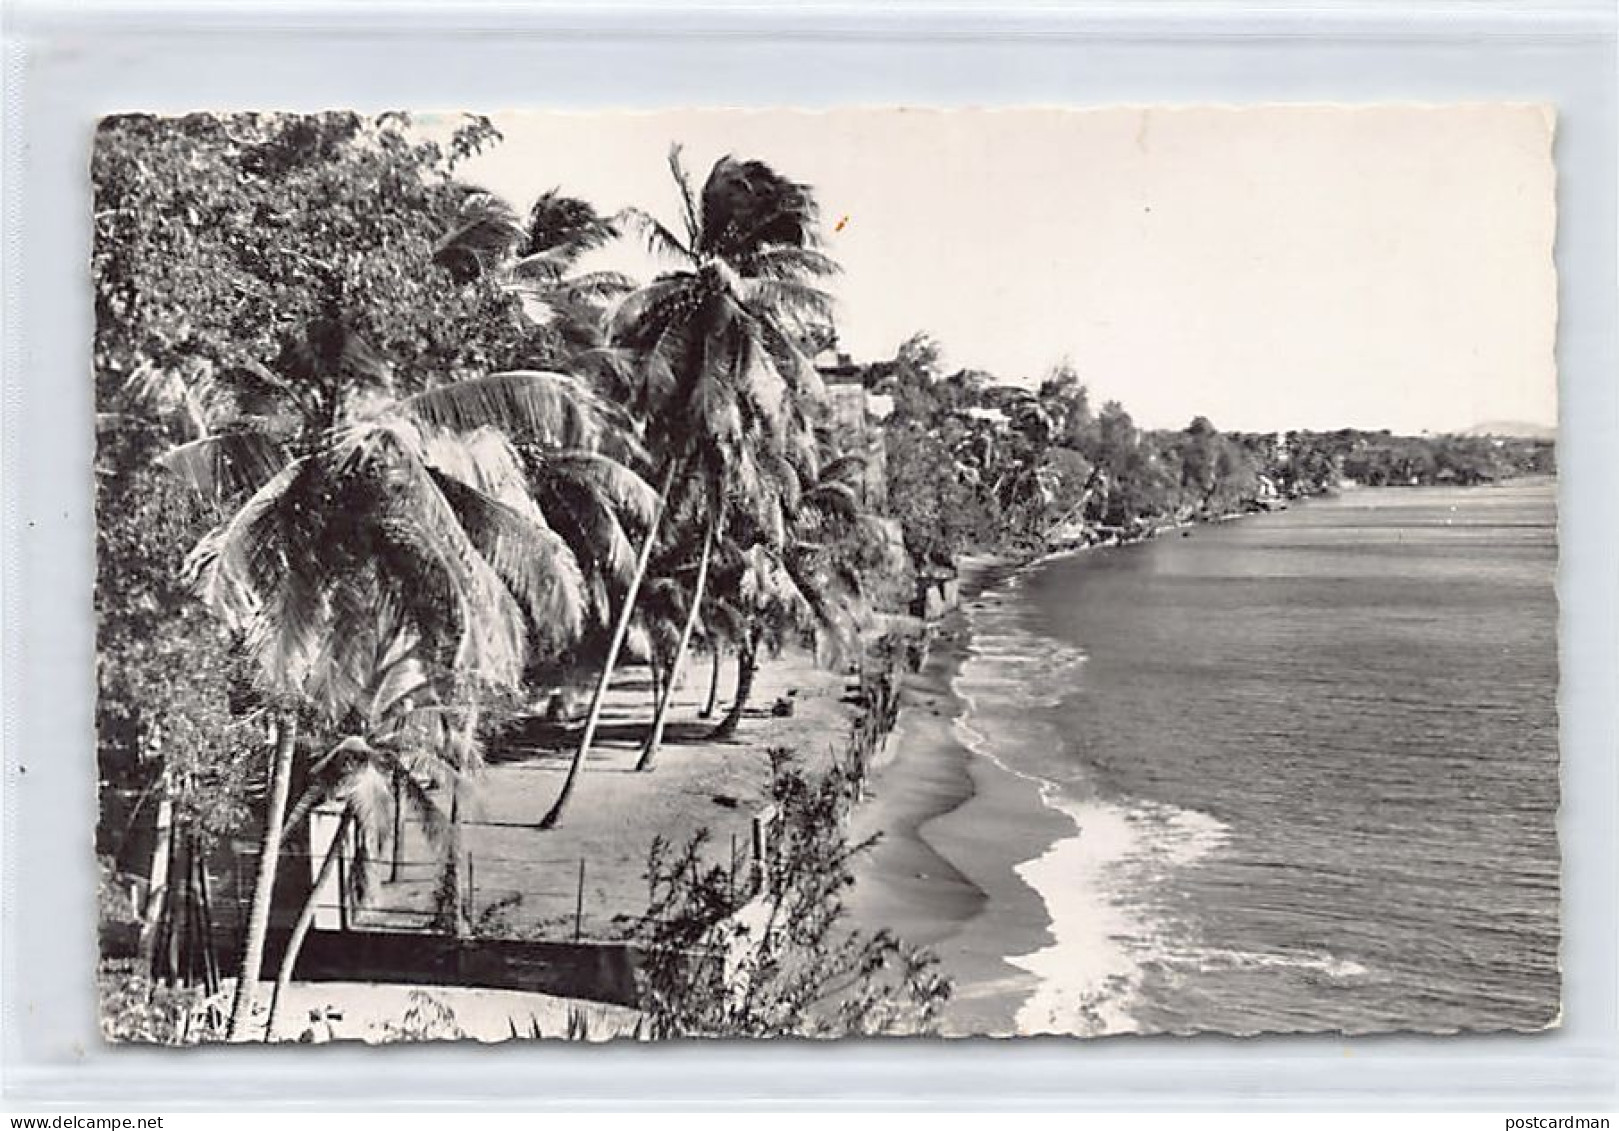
{"x": 1269, "y": 268}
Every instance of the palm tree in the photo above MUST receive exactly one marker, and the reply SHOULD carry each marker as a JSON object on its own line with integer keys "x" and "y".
{"x": 715, "y": 658}
{"x": 720, "y": 375}
{"x": 364, "y": 506}
{"x": 479, "y": 235}
{"x": 682, "y": 607}
{"x": 544, "y": 273}
{"x": 596, "y": 504}
{"x": 537, "y": 260}
{"x": 400, "y": 746}
{"x": 811, "y": 583}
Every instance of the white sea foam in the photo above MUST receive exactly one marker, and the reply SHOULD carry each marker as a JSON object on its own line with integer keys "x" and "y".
{"x": 1104, "y": 933}
{"x": 1087, "y": 974}
{"x": 1213, "y": 958}
{"x": 1095, "y": 883}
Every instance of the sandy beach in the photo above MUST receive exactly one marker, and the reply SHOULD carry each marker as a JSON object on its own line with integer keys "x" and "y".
{"x": 529, "y": 878}
{"x": 971, "y": 859}
{"x": 954, "y": 829}
{"x": 525, "y": 881}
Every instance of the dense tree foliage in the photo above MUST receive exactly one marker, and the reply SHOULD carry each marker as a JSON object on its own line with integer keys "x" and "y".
{"x": 720, "y": 378}
{"x": 371, "y": 459}
{"x": 313, "y": 325}
{"x": 218, "y": 241}
{"x": 974, "y": 464}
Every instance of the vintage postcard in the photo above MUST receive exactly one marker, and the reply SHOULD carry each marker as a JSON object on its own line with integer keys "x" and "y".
{"x": 877, "y": 572}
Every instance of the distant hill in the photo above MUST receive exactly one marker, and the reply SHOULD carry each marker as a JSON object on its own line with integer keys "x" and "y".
{"x": 1516, "y": 429}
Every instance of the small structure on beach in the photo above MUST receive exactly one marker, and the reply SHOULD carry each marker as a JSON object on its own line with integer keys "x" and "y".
{"x": 937, "y": 590}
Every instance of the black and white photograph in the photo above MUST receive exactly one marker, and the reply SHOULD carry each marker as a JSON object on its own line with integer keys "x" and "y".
{"x": 877, "y": 572}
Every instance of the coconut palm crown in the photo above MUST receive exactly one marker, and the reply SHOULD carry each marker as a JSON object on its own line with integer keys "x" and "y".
{"x": 406, "y": 515}
{"x": 354, "y": 514}
{"x": 720, "y": 373}
{"x": 724, "y": 378}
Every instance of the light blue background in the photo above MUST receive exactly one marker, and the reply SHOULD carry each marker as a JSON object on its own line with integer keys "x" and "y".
{"x": 65, "y": 69}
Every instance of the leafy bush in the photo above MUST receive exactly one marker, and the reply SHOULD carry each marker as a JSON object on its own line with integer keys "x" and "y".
{"x": 427, "y": 1019}
{"x": 135, "y": 1008}
{"x": 779, "y": 958}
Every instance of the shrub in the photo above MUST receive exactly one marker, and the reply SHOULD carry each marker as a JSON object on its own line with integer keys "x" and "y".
{"x": 779, "y": 958}
{"x": 135, "y": 1008}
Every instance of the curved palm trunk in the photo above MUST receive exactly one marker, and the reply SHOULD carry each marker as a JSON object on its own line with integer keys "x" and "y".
{"x": 649, "y": 751}
{"x": 599, "y": 698}
{"x": 746, "y": 666}
{"x": 656, "y": 679}
{"x": 258, "y": 922}
{"x": 713, "y": 685}
{"x": 305, "y": 805}
{"x": 306, "y": 918}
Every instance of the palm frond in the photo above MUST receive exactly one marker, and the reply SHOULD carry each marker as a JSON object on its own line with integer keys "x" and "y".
{"x": 769, "y": 586}
{"x": 628, "y": 493}
{"x": 544, "y": 267}
{"x": 766, "y": 398}
{"x": 226, "y": 464}
{"x": 335, "y": 668}
{"x": 637, "y": 642}
{"x": 747, "y": 207}
{"x": 182, "y": 390}
{"x": 786, "y": 262}
{"x": 423, "y": 803}
{"x": 688, "y": 196}
{"x": 659, "y": 240}
{"x": 799, "y": 303}
{"x": 715, "y": 416}
{"x": 787, "y": 354}
{"x": 623, "y": 377}
{"x": 485, "y": 460}
{"x": 594, "y": 531}
{"x": 565, "y": 226}
{"x": 596, "y": 286}
{"x": 482, "y": 233}
{"x": 399, "y": 683}
{"x": 551, "y": 408}
{"x": 407, "y": 505}
{"x": 653, "y": 325}
{"x": 533, "y": 562}
{"x": 234, "y": 563}
{"x": 368, "y": 790}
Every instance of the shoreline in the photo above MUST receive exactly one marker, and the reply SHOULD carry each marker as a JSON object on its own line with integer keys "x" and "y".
{"x": 964, "y": 840}
{"x": 957, "y": 828}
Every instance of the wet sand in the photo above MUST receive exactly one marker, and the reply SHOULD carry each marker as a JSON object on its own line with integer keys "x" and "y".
{"x": 954, "y": 827}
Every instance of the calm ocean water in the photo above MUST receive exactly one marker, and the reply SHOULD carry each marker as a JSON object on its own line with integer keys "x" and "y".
{"x": 1313, "y": 760}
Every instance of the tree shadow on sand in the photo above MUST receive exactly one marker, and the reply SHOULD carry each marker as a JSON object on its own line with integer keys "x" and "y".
{"x": 536, "y": 739}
